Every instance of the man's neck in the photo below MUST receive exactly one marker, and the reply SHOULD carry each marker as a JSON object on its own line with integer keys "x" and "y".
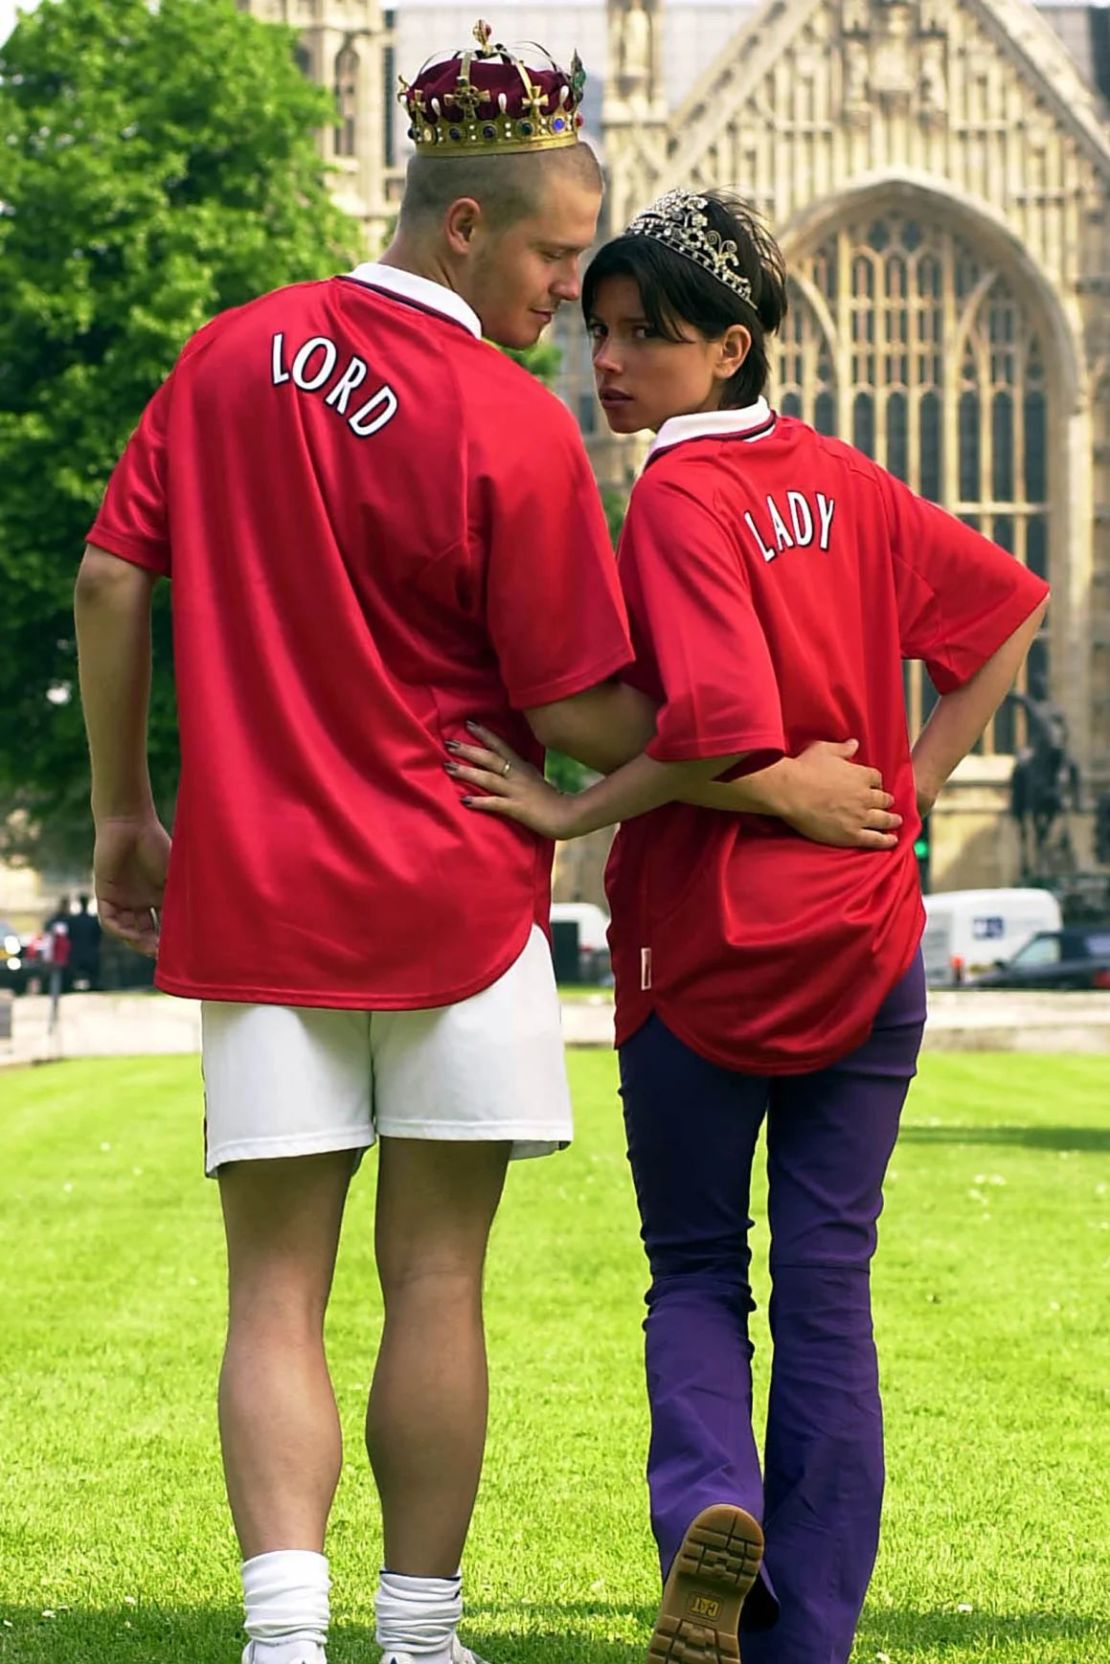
{"x": 409, "y": 256}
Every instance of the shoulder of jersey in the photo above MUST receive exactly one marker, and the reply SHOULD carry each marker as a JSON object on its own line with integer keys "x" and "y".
{"x": 215, "y": 327}
{"x": 691, "y": 467}
{"x": 839, "y": 450}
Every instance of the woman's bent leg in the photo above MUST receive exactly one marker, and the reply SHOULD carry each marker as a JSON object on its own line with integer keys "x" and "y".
{"x": 830, "y": 1136}
{"x": 692, "y": 1129}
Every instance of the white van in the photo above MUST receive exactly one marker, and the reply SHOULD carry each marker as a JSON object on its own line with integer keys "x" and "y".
{"x": 593, "y": 943}
{"x": 968, "y": 932}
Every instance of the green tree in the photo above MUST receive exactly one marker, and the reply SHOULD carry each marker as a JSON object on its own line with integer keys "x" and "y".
{"x": 543, "y": 360}
{"x": 565, "y": 772}
{"x": 157, "y": 166}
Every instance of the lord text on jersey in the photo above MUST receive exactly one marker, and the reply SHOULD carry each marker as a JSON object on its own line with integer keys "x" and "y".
{"x": 314, "y": 368}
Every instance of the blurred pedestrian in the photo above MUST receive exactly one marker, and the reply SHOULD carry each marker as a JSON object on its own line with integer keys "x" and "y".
{"x": 84, "y": 936}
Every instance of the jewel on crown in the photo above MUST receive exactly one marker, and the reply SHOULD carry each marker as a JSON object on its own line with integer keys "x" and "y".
{"x": 486, "y": 99}
{"x": 680, "y": 220}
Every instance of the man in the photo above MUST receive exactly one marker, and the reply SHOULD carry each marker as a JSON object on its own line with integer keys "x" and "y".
{"x": 378, "y": 528}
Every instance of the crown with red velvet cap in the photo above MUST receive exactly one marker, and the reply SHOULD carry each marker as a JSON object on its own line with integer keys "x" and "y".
{"x": 486, "y": 101}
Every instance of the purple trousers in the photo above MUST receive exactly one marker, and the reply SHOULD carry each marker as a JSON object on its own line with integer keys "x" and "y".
{"x": 692, "y": 1129}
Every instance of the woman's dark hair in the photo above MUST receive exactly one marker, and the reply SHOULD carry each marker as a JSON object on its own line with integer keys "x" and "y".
{"x": 677, "y": 291}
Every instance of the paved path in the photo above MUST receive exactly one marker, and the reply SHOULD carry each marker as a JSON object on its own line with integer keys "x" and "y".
{"x": 120, "y": 1025}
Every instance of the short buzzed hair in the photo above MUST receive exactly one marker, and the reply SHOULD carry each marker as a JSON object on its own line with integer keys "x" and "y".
{"x": 507, "y": 188}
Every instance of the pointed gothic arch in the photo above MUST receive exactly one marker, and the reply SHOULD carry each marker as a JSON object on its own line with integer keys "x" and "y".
{"x": 919, "y": 337}
{"x": 346, "y": 101}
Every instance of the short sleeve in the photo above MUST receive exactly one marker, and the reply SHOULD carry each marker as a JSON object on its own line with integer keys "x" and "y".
{"x": 700, "y": 647}
{"x": 133, "y": 522}
{"x": 960, "y": 596}
{"x": 553, "y": 604}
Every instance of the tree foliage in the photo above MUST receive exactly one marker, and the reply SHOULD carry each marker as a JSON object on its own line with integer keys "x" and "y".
{"x": 157, "y": 166}
{"x": 565, "y": 772}
{"x": 543, "y": 360}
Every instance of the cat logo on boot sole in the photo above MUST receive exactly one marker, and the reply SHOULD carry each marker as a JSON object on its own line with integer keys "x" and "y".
{"x": 702, "y": 1607}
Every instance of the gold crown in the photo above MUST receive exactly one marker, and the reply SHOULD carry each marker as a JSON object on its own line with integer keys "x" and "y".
{"x": 679, "y": 220}
{"x": 488, "y": 100}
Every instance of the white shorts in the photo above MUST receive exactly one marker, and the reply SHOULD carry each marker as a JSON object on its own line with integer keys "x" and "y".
{"x": 292, "y": 1080}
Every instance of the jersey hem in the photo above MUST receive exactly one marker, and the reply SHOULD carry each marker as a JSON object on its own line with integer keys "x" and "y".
{"x": 134, "y": 550}
{"x": 767, "y": 1064}
{"x": 330, "y": 1000}
{"x": 546, "y": 693}
{"x": 763, "y": 741}
{"x": 1004, "y": 621}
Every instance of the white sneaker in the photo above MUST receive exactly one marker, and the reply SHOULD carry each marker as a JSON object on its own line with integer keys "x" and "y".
{"x": 463, "y": 1655}
{"x": 310, "y": 1653}
{"x": 459, "y": 1655}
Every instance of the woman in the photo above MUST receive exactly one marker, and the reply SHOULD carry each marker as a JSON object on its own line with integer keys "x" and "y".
{"x": 776, "y": 580}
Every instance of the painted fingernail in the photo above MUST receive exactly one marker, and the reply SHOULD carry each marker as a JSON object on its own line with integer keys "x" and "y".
{"x": 451, "y": 768}
{"x": 467, "y": 801}
{"x": 452, "y": 745}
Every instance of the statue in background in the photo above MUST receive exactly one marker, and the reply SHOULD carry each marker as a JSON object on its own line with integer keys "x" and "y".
{"x": 635, "y": 57}
{"x": 1045, "y": 785}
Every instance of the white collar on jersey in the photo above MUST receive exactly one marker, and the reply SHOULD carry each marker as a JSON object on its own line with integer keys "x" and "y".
{"x": 711, "y": 424}
{"x": 421, "y": 290}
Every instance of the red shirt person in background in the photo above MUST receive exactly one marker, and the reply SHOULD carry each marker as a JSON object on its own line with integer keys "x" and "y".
{"x": 775, "y": 580}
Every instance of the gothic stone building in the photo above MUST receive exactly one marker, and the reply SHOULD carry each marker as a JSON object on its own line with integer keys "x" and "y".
{"x": 939, "y": 177}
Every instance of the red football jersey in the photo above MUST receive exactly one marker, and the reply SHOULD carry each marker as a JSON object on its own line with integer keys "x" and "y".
{"x": 800, "y": 575}
{"x": 377, "y": 526}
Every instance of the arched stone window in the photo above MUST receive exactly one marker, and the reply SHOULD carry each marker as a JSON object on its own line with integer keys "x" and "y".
{"x": 1100, "y": 594}
{"x": 346, "y": 101}
{"x": 906, "y": 340}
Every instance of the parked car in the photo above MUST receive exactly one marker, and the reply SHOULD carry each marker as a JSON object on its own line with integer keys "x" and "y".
{"x": 968, "y": 932}
{"x": 1076, "y": 957}
{"x": 13, "y": 959}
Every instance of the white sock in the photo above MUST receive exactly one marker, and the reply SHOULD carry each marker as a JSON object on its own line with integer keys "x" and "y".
{"x": 418, "y": 1615}
{"x": 286, "y": 1599}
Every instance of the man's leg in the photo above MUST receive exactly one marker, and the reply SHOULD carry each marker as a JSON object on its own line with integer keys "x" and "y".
{"x": 426, "y": 1419}
{"x": 458, "y": 1091}
{"x": 278, "y": 1419}
{"x": 288, "y": 1107}
{"x": 830, "y": 1136}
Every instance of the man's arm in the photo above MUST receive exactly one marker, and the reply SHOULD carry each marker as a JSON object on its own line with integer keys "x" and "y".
{"x": 958, "y": 718}
{"x": 821, "y": 793}
{"x": 112, "y": 601}
{"x": 112, "y": 604}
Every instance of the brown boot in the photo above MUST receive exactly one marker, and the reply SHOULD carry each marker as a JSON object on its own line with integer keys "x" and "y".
{"x": 699, "y": 1620}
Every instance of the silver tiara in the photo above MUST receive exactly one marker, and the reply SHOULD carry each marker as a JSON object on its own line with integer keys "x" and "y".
{"x": 680, "y": 221}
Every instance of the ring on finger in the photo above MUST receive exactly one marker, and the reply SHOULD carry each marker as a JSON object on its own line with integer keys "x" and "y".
{"x": 506, "y": 771}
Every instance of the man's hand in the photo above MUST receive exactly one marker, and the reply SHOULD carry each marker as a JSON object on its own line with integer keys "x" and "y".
{"x": 831, "y": 800}
{"x": 130, "y": 861}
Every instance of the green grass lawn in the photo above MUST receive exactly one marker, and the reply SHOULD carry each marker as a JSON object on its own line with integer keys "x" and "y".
{"x": 115, "y": 1547}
